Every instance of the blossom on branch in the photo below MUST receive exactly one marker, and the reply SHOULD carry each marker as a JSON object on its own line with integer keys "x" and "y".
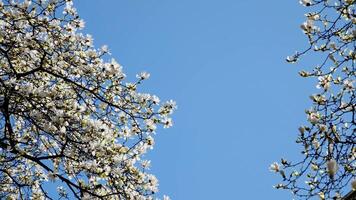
{"x": 67, "y": 115}
{"x": 328, "y": 143}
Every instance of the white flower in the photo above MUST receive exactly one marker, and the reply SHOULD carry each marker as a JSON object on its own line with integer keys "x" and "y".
{"x": 146, "y": 164}
{"x": 316, "y": 144}
{"x": 113, "y": 68}
{"x": 313, "y": 118}
{"x": 166, "y": 197}
{"x": 105, "y": 48}
{"x": 305, "y": 2}
{"x": 88, "y": 40}
{"x": 80, "y": 24}
{"x": 308, "y": 26}
{"x": 324, "y": 82}
{"x": 27, "y": 3}
{"x": 322, "y": 195}
{"x": 143, "y": 75}
{"x": 150, "y": 141}
{"x": 348, "y": 85}
{"x": 155, "y": 99}
{"x": 274, "y": 167}
{"x": 292, "y": 59}
{"x": 167, "y": 122}
{"x": 63, "y": 129}
{"x": 151, "y": 126}
{"x": 172, "y": 103}
{"x": 332, "y": 167}
{"x": 107, "y": 169}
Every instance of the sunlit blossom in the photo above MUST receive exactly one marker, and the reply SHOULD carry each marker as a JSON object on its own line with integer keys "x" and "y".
{"x": 73, "y": 118}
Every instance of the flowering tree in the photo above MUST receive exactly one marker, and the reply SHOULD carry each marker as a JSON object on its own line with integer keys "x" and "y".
{"x": 329, "y": 141}
{"x": 67, "y": 117}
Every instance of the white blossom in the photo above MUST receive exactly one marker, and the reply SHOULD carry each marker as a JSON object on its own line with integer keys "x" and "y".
{"x": 165, "y": 197}
{"x": 308, "y": 26}
{"x": 332, "y": 167}
{"x": 327, "y": 139}
{"x": 143, "y": 75}
{"x": 167, "y": 122}
{"x": 306, "y": 2}
{"x": 105, "y": 48}
{"x": 75, "y": 120}
{"x": 316, "y": 144}
{"x": 274, "y": 167}
{"x": 146, "y": 164}
{"x": 313, "y": 117}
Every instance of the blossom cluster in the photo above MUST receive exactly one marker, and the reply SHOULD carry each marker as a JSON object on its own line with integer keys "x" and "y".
{"x": 67, "y": 115}
{"x": 328, "y": 167}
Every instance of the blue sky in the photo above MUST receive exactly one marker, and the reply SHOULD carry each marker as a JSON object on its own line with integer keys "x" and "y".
{"x": 239, "y": 102}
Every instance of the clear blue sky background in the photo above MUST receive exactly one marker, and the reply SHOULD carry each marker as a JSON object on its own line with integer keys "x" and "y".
{"x": 223, "y": 62}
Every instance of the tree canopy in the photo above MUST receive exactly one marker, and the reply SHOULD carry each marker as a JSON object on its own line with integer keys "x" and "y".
{"x": 67, "y": 115}
{"x": 328, "y": 168}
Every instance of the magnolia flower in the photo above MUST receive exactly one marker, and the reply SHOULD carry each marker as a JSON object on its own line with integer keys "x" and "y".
{"x": 324, "y": 82}
{"x": 27, "y": 3}
{"x": 305, "y": 2}
{"x": 143, "y": 75}
{"x": 308, "y": 26}
{"x": 105, "y": 48}
{"x": 151, "y": 126}
{"x": 332, "y": 167}
{"x": 107, "y": 170}
{"x": 88, "y": 40}
{"x": 292, "y": 59}
{"x": 150, "y": 141}
{"x": 155, "y": 99}
{"x": 348, "y": 84}
{"x": 322, "y": 195}
{"x": 274, "y": 167}
{"x": 81, "y": 24}
{"x": 113, "y": 68}
{"x": 146, "y": 164}
{"x": 63, "y": 129}
{"x": 167, "y": 122}
{"x": 316, "y": 144}
{"x": 313, "y": 118}
{"x": 166, "y": 197}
